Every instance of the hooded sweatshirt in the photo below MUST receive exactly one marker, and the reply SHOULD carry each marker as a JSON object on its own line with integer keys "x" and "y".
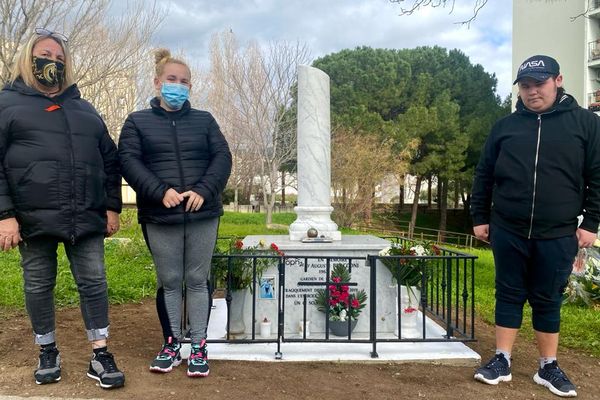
{"x": 538, "y": 172}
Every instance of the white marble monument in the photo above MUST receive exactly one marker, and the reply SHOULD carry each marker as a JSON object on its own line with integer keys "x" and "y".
{"x": 314, "y": 211}
{"x": 314, "y": 155}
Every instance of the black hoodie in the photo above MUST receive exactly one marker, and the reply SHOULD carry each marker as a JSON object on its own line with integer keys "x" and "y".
{"x": 59, "y": 168}
{"x": 538, "y": 172}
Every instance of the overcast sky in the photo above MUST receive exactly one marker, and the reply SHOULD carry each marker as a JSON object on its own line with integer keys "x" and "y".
{"x": 328, "y": 26}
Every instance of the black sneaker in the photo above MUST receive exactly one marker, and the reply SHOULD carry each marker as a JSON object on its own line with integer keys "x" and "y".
{"x": 104, "y": 370}
{"x": 555, "y": 379}
{"x": 168, "y": 357}
{"x": 495, "y": 371}
{"x": 48, "y": 369}
{"x": 198, "y": 360}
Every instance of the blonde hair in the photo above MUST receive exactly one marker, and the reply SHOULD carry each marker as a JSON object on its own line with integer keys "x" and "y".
{"x": 22, "y": 67}
{"x": 162, "y": 57}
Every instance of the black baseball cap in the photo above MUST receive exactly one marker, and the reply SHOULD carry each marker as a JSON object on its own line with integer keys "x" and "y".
{"x": 539, "y": 68}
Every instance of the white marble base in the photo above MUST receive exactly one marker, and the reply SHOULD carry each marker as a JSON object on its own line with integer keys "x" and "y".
{"x": 451, "y": 353}
{"x": 314, "y": 217}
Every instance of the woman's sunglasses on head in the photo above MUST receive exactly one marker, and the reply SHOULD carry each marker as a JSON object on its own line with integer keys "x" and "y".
{"x": 56, "y": 35}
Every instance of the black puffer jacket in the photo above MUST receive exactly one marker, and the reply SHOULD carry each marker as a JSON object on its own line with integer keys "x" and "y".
{"x": 184, "y": 150}
{"x": 60, "y": 169}
{"x": 538, "y": 172}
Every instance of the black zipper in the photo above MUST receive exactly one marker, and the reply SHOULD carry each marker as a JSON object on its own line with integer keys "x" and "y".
{"x": 72, "y": 165}
{"x": 178, "y": 155}
{"x": 537, "y": 153}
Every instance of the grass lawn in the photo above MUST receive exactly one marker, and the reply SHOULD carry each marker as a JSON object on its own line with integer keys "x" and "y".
{"x": 130, "y": 275}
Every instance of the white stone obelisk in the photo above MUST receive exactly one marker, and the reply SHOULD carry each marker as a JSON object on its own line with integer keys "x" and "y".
{"x": 314, "y": 157}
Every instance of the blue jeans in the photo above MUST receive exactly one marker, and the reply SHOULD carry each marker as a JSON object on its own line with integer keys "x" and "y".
{"x": 39, "y": 262}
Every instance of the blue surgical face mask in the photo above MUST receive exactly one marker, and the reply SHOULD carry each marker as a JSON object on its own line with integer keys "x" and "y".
{"x": 174, "y": 94}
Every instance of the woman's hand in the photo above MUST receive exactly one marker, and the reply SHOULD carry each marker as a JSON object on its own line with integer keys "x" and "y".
{"x": 172, "y": 198}
{"x": 194, "y": 202}
{"x": 112, "y": 224}
{"x": 9, "y": 234}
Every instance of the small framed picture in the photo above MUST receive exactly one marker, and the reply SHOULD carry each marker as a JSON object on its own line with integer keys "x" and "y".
{"x": 267, "y": 288}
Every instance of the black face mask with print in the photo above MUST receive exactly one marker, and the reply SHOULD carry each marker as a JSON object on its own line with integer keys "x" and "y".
{"x": 48, "y": 72}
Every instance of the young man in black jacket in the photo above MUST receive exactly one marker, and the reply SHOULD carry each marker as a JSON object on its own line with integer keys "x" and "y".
{"x": 539, "y": 170}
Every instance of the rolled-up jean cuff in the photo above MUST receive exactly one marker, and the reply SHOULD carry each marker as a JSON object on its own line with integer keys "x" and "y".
{"x": 97, "y": 334}
{"x": 46, "y": 338}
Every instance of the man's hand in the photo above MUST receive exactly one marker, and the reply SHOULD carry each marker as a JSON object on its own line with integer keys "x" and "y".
{"x": 9, "y": 234}
{"x": 172, "y": 198}
{"x": 112, "y": 223}
{"x": 585, "y": 238}
{"x": 194, "y": 202}
{"x": 482, "y": 232}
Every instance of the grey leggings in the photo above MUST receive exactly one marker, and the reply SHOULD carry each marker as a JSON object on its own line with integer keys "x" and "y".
{"x": 183, "y": 253}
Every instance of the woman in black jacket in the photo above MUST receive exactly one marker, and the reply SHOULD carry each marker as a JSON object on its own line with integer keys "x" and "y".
{"x": 59, "y": 182}
{"x": 178, "y": 162}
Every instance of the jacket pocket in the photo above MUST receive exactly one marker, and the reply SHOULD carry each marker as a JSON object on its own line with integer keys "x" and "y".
{"x": 95, "y": 188}
{"x": 38, "y": 187}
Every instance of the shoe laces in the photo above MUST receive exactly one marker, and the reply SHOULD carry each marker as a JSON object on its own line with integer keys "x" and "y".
{"x": 48, "y": 357}
{"x": 169, "y": 349}
{"x": 107, "y": 360}
{"x": 198, "y": 352}
{"x": 556, "y": 374}
{"x": 498, "y": 362}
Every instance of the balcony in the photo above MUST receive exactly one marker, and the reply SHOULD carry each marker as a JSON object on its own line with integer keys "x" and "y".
{"x": 594, "y": 52}
{"x": 593, "y": 10}
{"x": 594, "y": 101}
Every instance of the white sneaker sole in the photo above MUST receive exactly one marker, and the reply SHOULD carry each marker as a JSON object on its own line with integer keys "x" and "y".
{"x": 46, "y": 382}
{"x": 503, "y": 378}
{"x": 165, "y": 370}
{"x": 541, "y": 381}
{"x": 197, "y": 374}
{"x": 103, "y": 385}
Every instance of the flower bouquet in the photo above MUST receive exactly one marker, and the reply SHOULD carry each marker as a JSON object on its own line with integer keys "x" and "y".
{"x": 408, "y": 271}
{"x": 342, "y": 304}
{"x": 242, "y": 267}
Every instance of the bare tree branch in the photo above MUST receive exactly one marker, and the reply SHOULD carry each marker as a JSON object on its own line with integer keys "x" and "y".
{"x": 251, "y": 90}
{"x": 106, "y": 50}
{"x": 418, "y": 4}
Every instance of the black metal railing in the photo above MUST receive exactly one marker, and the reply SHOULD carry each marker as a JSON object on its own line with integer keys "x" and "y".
{"x": 446, "y": 300}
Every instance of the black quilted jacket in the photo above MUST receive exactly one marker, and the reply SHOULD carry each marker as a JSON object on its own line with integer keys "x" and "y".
{"x": 183, "y": 150}
{"x": 59, "y": 167}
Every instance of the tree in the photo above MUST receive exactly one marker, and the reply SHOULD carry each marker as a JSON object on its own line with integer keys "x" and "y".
{"x": 260, "y": 84}
{"x": 477, "y": 6}
{"x": 366, "y": 87}
{"x": 427, "y": 97}
{"x": 417, "y": 4}
{"x": 360, "y": 161}
{"x": 106, "y": 50}
{"x": 222, "y": 100}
